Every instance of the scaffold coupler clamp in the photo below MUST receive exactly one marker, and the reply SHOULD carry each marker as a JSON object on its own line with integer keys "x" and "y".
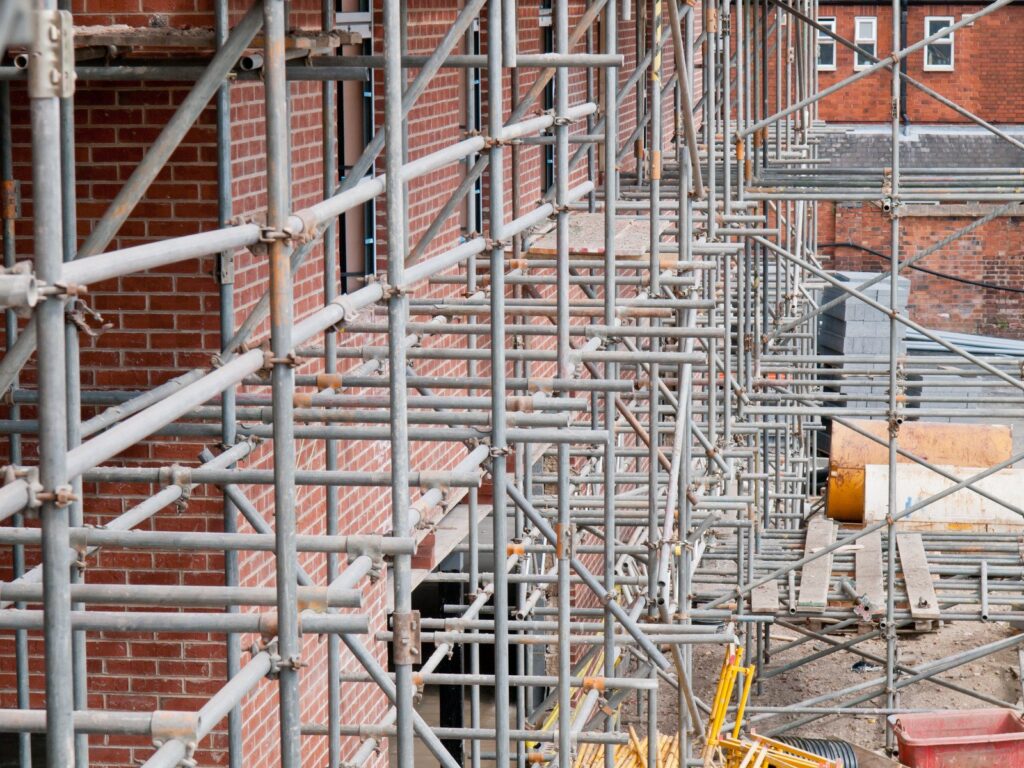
{"x": 171, "y": 725}
{"x": 79, "y": 314}
{"x": 495, "y": 244}
{"x": 33, "y": 490}
{"x": 366, "y": 545}
{"x": 180, "y": 476}
{"x": 268, "y": 645}
{"x": 51, "y": 71}
{"x": 492, "y": 142}
{"x": 270, "y": 234}
{"x": 406, "y": 637}
{"x": 435, "y": 480}
{"x": 19, "y": 288}
{"x": 62, "y": 496}
{"x": 565, "y": 536}
{"x": 895, "y": 418}
{"x": 269, "y": 360}
{"x": 309, "y": 231}
{"x": 81, "y": 550}
{"x": 389, "y": 291}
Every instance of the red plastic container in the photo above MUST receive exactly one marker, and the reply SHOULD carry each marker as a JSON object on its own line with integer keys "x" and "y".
{"x": 969, "y": 738}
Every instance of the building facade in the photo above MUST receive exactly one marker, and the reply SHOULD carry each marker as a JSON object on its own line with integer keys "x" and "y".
{"x": 975, "y": 285}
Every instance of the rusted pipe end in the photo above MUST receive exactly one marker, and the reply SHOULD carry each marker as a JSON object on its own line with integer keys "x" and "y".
{"x": 268, "y": 625}
{"x": 541, "y": 385}
{"x": 328, "y": 381}
{"x": 519, "y": 403}
{"x": 593, "y": 683}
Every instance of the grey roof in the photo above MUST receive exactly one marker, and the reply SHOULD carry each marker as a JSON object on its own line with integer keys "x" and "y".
{"x": 865, "y": 147}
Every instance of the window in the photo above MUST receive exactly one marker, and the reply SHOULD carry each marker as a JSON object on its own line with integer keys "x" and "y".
{"x": 826, "y": 45}
{"x": 547, "y": 43}
{"x": 938, "y": 54}
{"x": 357, "y": 246}
{"x": 865, "y": 35}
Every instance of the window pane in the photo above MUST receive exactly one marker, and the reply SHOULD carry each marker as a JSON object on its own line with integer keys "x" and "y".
{"x": 864, "y": 61}
{"x": 827, "y": 55}
{"x": 940, "y": 54}
{"x": 934, "y": 25}
{"x": 865, "y": 29}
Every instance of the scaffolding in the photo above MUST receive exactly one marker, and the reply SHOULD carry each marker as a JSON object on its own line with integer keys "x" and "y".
{"x": 640, "y": 410}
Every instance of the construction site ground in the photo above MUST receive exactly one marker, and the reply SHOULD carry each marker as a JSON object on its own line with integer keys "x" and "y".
{"x": 997, "y": 675}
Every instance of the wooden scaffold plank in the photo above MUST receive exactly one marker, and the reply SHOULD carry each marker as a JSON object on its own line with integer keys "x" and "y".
{"x": 868, "y": 571}
{"x": 764, "y": 599}
{"x": 924, "y": 605}
{"x": 815, "y": 576}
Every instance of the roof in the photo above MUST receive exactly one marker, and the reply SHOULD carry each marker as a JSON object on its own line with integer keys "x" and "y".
{"x": 868, "y": 146}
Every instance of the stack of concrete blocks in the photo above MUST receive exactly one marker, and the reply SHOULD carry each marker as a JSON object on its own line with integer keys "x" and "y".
{"x": 854, "y": 328}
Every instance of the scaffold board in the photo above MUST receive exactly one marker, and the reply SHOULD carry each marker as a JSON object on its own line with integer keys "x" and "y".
{"x": 765, "y": 598}
{"x": 868, "y": 571}
{"x": 586, "y": 238}
{"x": 924, "y": 605}
{"x": 815, "y": 576}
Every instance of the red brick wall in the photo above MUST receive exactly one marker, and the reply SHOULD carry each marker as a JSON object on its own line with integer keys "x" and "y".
{"x": 987, "y": 57}
{"x": 989, "y": 254}
{"x": 162, "y": 323}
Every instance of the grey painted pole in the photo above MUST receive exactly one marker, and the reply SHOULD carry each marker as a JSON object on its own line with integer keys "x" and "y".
{"x": 563, "y": 529}
{"x": 53, "y": 476}
{"x": 499, "y": 444}
{"x": 398, "y": 309}
{"x": 611, "y": 177}
{"x": 282, "y": 378}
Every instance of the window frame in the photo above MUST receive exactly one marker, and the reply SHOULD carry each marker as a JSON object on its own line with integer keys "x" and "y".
{"x": 823, "y": 39}
{"x": 861, "y": 42}
{"x": 949, "y": 39}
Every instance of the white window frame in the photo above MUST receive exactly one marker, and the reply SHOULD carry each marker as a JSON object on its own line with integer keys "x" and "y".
{"x": 949, "y": 21}
{"x": 860, "y": 41}
{"x": 823, "y": 39}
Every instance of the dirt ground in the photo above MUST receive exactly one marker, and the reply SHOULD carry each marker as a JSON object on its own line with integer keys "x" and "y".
{"x": 997, "y": 675}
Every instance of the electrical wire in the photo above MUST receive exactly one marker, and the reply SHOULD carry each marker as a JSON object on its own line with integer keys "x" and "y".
{"x": 927, "y": 271}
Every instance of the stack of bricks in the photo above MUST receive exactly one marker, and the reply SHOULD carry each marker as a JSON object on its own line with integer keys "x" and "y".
{"x": 854, "y": 328}
{"x": 989, "y": 254}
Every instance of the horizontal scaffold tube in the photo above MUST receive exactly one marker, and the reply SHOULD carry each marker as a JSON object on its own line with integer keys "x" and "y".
{"x": 202, "y": 541}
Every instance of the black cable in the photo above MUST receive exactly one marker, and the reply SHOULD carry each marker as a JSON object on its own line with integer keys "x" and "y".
{"x": 927, "y": 271}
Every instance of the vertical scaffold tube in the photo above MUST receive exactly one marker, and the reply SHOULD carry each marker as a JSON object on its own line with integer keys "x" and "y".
{"x": 611, "y": 178}
{"x": 499, "y": 443}
{"x": 563, "y": 371}
{"x": 891, "y": 649}
{"x": 48, "y": 233}
{"x": 282, "y": 379}
{"x": 398, "y": 308}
